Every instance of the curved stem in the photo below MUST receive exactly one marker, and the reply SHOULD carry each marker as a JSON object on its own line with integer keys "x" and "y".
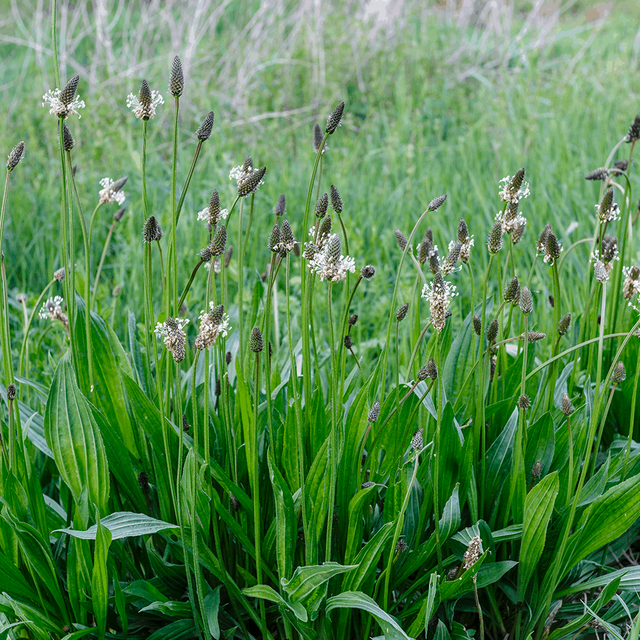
{"x": 105, "y": 248}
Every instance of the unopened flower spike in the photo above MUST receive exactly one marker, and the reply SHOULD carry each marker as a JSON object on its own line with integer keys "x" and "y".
{"x": 203, "y": 132}
{"x": 68, "y": 141}
{"x": 145, "y": 103}
{"x": 401, "y": 314}
{"x": 281, "y": 206}
{"x": 634, "y": 130}
{"x": 16, "y": 156}
{"x": 317, "y": 139}
{"x": 494, "y": 243}
{"x": 601, "y": 173}
{"x": 436, "y": 203}
{"x": 176, "y": 78}
{"x": 401, "y": 239}
{"x": 322, "y": 205}
{"x": 256, "y": 343}
{"x": 336, "y": 200}
{"x": 151, "y": 231}
{"x": 335, "y": 119}
{"x": 608, "y": 210}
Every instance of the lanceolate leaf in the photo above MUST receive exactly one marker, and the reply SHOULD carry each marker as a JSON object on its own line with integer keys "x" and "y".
{"x": 123, "y": 525}
{"x": 74, "y": 438}
{"x": 538, "y": 508}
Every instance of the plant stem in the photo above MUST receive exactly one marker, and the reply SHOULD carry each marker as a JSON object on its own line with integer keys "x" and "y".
{"x": 105, "y": 248}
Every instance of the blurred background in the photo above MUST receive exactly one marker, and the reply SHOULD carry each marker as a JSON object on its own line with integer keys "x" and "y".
{"x": 444, "y": 97}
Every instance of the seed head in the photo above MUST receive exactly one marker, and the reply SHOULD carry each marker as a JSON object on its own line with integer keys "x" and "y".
{"x": 524, "y": 402}
{"x": 367, "y": 272}
{"x": 436, "y": 203}
{"x": 402, "y": 312}
{"x": 513, "y": 290}
{"x": 567, "y": 407}
{"x": 606, "y": 206}
{"x": 151, "y": 231}
{"x": 492, "y": 331}
{"x": 536, "y": 471}
{"x": 432, "y": 369}
{"x": 492, "y": 367}
{"x": 600, "y": 271}
{"x": 325, "y": 229}
{"x": 619, "y": 373}
{"x": 473, "y": 553}
{"x": 69, "y": 92}
{"x": 334, "y": 120}
{"x": 601, "y": 173}
{"x": 203, "y": 132}
{"x": 336, "y": 200}
{"x": 634, "y": 130}
{"x": 425, "y": 247}
{"x": 375, "y": 412}
{"x": 512, "y": 190}
{"x": 452, "y": 258}
{"x": 401, "y": 239}
{"x": 348, "y": 342}
{"x": 322, "y": 205}
{"x": 67, "y": 139}
{"x": 11, "y": 392}
{"x": 552, "y": 248}
{"x": 219, "y": 242}
{"x": 526, "y": 301}
{"x": 477, "y": 325}
{"x": 542, "y": 238}
{"x": 281, "y": 206}
{"x": 176, "y": 78}
{"x": 317, "y": 138}
{"x": 423, "y": 374}
{"x": 353, "y": 320}
{"x": 417, "y": 442}
{"x": 621, "y": 166}
{"x": 287, "y": 239}
{"x": 256, "y": 344}
{"x": 609, "y": 248}
{"x": 205, "y": 254}
{"x": 494, "y": 243}
{"x": 16, "y": 155}
{"x": 631, "y": 284}
{"x": 274, "y": 239}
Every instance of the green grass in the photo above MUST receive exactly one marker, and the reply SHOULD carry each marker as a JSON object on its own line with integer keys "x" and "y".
{"x": 431, "y": 108}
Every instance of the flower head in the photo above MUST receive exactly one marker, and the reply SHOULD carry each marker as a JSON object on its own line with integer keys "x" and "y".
{"x": 64, "y": 102}
{"x": 514, "y": 189}
{"x": 174, "y": 336}
{"x": 439, "y": 294}
{"x": 112, "y": 191}
{"x": 631, "y": 283}
{"x": 213, "y": 323}
{"x": 608, "y": 210}
{"x": 52, "y": 309}
{"x": 145, "y": 103}
{"x": 328, "y": 262}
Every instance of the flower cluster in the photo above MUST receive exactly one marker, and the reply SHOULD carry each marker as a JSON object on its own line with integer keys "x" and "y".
{"x": 631, "y": 283}
{"x": 174, "y": 336}
{"x": 514, "y": 189}
{"x": 213, "y": 323}
{"x": 64, "y": 102}
{"x": 145, "y": 103}
{"x": 52, "y": 310}
{"x": 111, "y": 191}
{"x": 439, "y": 294}
{"x": 328, "y": 262}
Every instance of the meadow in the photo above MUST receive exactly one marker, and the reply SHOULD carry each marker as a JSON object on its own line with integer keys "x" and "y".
{"x": 312, "y": 326}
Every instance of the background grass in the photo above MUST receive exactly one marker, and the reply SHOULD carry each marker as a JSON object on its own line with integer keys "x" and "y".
{"x": 440, "y": 99}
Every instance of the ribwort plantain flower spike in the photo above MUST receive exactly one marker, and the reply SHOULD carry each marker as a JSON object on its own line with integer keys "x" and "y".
{"x": 436, "y": 203}
{"x": 601, "y": 173}
{"x": 513, "y": 290}
{"x": 213, "y": 323}
{"x": 524, "y": 402}
{"x": 219, "y": 242}
{"x": 203, "y": 132}
{"x": 67, "y": 139}
{"x": 542, "y": 238}
{"x": 336, "y": 200}
{"x": 176, "y": 78}
{"x": 439, "y": 294}
{"x": 477, "y": 325}
{"x": 174, "y": 337}
{"x": 145, "y": 103}
{"x": 432, "y": 369}
{"x": 563, "y": 325}
{"x": 473, "y": 553}
{"x": 417, "y": 443}
{"x": 452, "y": 258}
{"x": 401, "y": 314}
{"x": 533, "y": 336}
{"x": 274, "y": 239}
{"x": 367, "y": 272}
{"x": 526, "y": 301}
{"x": 322, "y": 205}
{"x": 16, "y": 156}
{"x": 374, "y": 413}
{"x": 112, "y": 191}
{"x": 434, "y": 260}
{"x": 492, "y": 331}
{"x": 494, "y": 243}
{"x": 318, "y": 136}
{"x": 567, "y": 407}
{"x": 552, "y": 248}
{"x": 619, "y": 374}
{"x": 280, "y": 209}
{"x": 514, "y": 189}
{"x": 536, "y": 470}
{"x": 335, "y": 119}
{"x": 151, "y": 231}
{"x": 256, "y": 343}
{"x": 63, "y": 103}
{"x": 631, "y": 283}
{"x": 249, "y": 184}
{"x": 608, "y": 210}
{"x": 401, "y": 239}
{"x": 634, "y": 130}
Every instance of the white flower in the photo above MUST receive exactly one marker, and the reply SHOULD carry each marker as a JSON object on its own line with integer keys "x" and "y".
{"x": 144, "y": 111}
{"x": 203, "y": 216}
{"x": 508, "y": 194}
{"x": 108, "y": 195}
{"x": 328, "y": 262}
{"x": 59, "y": 108}
{"x": 631, "y": 284}
{"x": 174, "y": 336}
{"x": 213, "y": 323}
{"x": 608, "y": 214}
{"x": 238, "y": 173}
{"x": 439, "y": 294}
{"x": 52, "y": 310}
{"x": 465, "y": 252}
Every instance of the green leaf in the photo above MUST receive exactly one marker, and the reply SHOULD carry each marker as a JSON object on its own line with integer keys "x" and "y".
{"x": 367, "y": 559}
{"x": 123, "y": 524}
{"x": 354, "y": 530}
{"x": 212, "y": 611}
{"x": 74, "y": 438}
{"x": 499, "y": 457}
{"x": 265, "y": 592}
{"x": 450, "y": 520}
{"x": 100, "y": 578}
{"x": 538, "y": 508}
{"x": 170, "y": 609}
{"x": 358, "y": 600}
{"x": 306, "y": 579}
{"x": 178, "y": 630}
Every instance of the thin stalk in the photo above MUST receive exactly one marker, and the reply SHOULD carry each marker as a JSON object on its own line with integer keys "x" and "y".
{"x": 241, "y": 344}
{"x": 190, "y": 281}
{"x": 188, "y": 180}
{"x": 436, "y": 456}
{"x": 601, "y": 430}
{"x": 144, "y": 169}
{"x": 636, "y": 381}
{"x": 54, "y": 40}
{"x": 174, "y": 221}
{"x": 105, "y": 248}
{"x": 478, "y": 607}
{"x": 4, "y": 309}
